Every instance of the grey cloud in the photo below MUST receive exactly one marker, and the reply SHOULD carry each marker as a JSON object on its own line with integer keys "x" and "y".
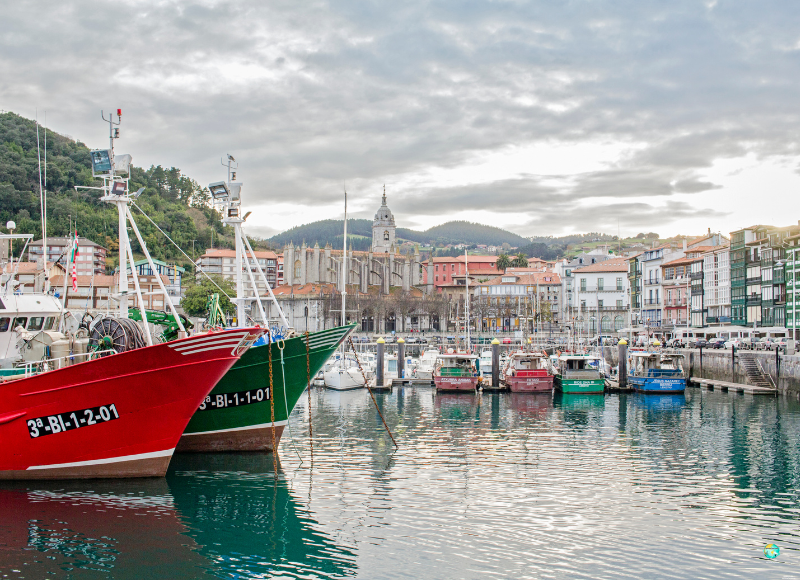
{"x": 326, "y": 92}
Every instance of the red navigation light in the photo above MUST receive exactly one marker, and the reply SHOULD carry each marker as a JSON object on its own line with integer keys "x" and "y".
{"x": 119, "y": 112}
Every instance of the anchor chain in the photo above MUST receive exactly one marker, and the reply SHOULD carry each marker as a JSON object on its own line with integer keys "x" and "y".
{"x": 366, "y": 384}
{"x": 272, "y": 409}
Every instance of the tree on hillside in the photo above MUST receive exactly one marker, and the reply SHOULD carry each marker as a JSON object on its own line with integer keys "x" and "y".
{"x": 196, "y": 299}
{"x": 503, "y": 262}
{"x": 520, "y": 261}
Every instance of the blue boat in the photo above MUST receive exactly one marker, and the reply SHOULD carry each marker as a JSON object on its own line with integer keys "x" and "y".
{"x": 656, "y": 372}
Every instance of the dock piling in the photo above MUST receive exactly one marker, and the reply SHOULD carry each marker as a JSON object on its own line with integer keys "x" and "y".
{"x": 379, "y": 371}
{"x": 495, "y": 364}
{"x": 622, "y": 367}
{"x": 401, "y": 358}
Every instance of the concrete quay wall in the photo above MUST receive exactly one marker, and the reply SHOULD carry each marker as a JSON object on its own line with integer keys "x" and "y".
{"x": 720, "y": 365}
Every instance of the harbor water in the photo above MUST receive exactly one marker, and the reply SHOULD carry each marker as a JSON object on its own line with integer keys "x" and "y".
{"x": 508, "y": 485}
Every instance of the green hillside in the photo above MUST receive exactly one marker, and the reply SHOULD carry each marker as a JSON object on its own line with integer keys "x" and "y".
{"x": 174, "y": 201}
{"x": 455, "y": 232}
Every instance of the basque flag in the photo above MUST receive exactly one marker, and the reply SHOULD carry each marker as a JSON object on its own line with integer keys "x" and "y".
{"x": 75, "y": 257}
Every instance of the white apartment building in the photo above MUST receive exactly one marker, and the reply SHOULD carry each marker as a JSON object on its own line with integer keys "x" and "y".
{"x": 717, "y": 285}
{"x": 600, "y": 296}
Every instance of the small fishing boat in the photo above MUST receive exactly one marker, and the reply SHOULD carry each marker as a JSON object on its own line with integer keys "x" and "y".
{"x": 655, "y": 372}
{"x": 528, "y": 372}
{"x": 456, "y": 372}
{"x": 485, "y": 365}
{"x": 575, "y": 374}
{"x": 427, "y": 364}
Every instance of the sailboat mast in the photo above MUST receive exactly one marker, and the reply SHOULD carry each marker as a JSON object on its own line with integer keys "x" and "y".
{"x": 344, "y": 263}
{"x": 43, "y": 203}
{"x": 466, "y": 297}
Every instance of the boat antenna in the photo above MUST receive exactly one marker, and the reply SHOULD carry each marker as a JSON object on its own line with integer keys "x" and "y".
{"x": 43, "y": 207}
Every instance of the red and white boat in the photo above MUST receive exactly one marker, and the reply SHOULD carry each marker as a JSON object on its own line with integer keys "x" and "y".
{"x": 456, "y": 372}
{"x": 117, "y": 416}
{"x": 528, "y": 372}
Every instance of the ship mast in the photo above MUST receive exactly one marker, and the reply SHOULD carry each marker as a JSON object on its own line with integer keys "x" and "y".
{"x": 108, "y": 167}
{"x": 344, "y": 263}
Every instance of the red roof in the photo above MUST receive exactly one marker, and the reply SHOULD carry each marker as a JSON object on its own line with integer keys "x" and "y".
{"x": 612, "y": 265}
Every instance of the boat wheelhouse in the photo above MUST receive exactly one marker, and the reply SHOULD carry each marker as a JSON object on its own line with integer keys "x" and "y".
{"x": 655, "y": 372}
{"x": 427, "y": 364}
{"x": 575, "y": 374}
{"x": 456, "y": 372}
{"x": 528, "y": 372}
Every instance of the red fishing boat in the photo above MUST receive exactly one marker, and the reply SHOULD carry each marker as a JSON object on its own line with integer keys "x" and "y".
{"x": 456, "y": 372}
{"x": 528, "y": 372}
{"x": 116, "y": 416}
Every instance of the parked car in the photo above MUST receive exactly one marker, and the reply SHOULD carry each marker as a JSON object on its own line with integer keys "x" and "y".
{"x": 675, "y": 343}
{"x": 766, "y": 343}
{"x": 716, "y": 343}
{"x": 782, "y": 344}
{"x": 749, "y": 342}
{"x": 422, "y": 340}
{"x": 411, "y": 340}
{"x": 506, "y": 341}
{"x": 735, "y": 342}
{"x": 698, "y": 343}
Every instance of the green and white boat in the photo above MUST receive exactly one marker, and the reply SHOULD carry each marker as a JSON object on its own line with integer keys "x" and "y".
{"x": 250, "y": 407}
{"x": 579, "y": 373}
{"x": 238, "y": 414}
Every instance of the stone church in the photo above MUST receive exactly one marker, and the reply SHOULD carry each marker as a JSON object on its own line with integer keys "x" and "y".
{"x": 382, "y": 266}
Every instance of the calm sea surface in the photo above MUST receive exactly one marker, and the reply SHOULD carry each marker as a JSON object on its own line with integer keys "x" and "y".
{"x": 482, "y": 486}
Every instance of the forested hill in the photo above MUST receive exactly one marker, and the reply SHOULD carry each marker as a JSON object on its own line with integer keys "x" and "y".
{"x": 330, "y": 231}
{"x": 174, "y": 201}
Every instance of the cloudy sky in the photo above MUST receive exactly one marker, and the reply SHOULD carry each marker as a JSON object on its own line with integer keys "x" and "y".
{"x": 545, "y": 117}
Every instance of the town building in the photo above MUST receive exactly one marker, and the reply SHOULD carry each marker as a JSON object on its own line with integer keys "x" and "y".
{"x": 93, "y": 294}
{"x": 600, "y": 296}
{"x": 30, "y": 276}
{"x": 758, "y": 270}
{"x": 441, "y": 272}
{"x": 171, "y": 274}
{"x": 717, "y": 285}
{"x": 676, "y": 289}
{"x": 91, "y": 256}
{"x": 527, "y": 301}
{"x": 221, "y": 261}
{"x": 792, "y": 277}
{"x": 383, "y": 266}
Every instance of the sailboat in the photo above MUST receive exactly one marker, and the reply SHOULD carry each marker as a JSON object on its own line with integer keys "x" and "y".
{"x": 115, "y": 413}
{"x": 344, "y": 374}
{"x": 250, "y": 406}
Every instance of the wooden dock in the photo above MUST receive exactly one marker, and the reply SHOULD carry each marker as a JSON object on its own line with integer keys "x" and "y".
{"x": 612, "y": 386}
{"x": 712, "y": 385}
{"x": 410, "y": 382}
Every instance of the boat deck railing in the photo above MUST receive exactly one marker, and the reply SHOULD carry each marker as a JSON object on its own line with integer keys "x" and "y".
{"x": 656, "y": 373}
{"x": 35, "y": 367}
{"x": 581, "y": 374}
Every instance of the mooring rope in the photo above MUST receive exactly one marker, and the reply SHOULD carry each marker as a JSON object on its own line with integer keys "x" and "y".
{"x": 308, "y": 377}
{"x": 366, "y": 384}
{"x": 281, "y": 344}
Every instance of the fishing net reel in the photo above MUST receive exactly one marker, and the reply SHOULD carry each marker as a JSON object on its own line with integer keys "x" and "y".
{"x": 118, "y": 334}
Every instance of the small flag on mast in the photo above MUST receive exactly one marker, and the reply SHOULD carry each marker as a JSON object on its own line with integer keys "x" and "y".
{"x": 75, "y": 257}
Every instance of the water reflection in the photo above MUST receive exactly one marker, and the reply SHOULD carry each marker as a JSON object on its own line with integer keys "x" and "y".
{"x": 119, "y": 529}
{"x": 482, "y": 485}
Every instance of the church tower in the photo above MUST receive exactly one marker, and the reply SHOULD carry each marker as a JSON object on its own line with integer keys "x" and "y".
{"x": 383, "y": 228}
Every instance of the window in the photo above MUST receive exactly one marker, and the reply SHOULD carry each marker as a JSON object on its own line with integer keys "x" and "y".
{"x": 385, "y": 236}
{"x": 452, "y": 266}
{"x": 619, "y": 283}
{"x": 583, "y": 284}
{"x": 20, "y": 321}
{"x": 437, "y": 267}
{"x": 619, "y": 303}
{"x": 599, "y": 303}
{"x": 297, "y": 269}
{"x": 36, "y": 323}
{"x": 583, "y": 304}
{"x": 4, "y": 323}
{"x": 600, "y": 283}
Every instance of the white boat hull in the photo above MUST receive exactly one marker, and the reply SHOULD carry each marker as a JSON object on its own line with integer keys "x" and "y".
{"x": 344, "y": 379}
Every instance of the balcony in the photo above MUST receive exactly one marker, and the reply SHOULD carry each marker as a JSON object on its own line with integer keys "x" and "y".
{"x": 652, "y": 281}
{"x": 753, "y": 300}
{"x": 651, "y": 301}
{"x": 754, "y": 280}
{"x": 695, "y": 275}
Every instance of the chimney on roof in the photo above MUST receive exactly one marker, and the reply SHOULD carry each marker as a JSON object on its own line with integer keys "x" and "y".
{"x": 684, "y": 244}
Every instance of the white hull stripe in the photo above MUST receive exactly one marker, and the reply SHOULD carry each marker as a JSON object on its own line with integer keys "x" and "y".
{"x": 225, "y": 347}
{"x": 259, "y": 426}
{"x": 138, "y": 457}
{"x": 208, "y": 340}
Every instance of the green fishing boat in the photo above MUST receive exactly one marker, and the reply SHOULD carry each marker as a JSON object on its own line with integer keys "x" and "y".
{"x": 575, "y": 374}
{"x": 238, "y": 414}
{"x": 250, "y": 406}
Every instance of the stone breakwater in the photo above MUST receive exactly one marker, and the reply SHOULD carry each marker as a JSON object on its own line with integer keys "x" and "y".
{"x": 722, "y": 366}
